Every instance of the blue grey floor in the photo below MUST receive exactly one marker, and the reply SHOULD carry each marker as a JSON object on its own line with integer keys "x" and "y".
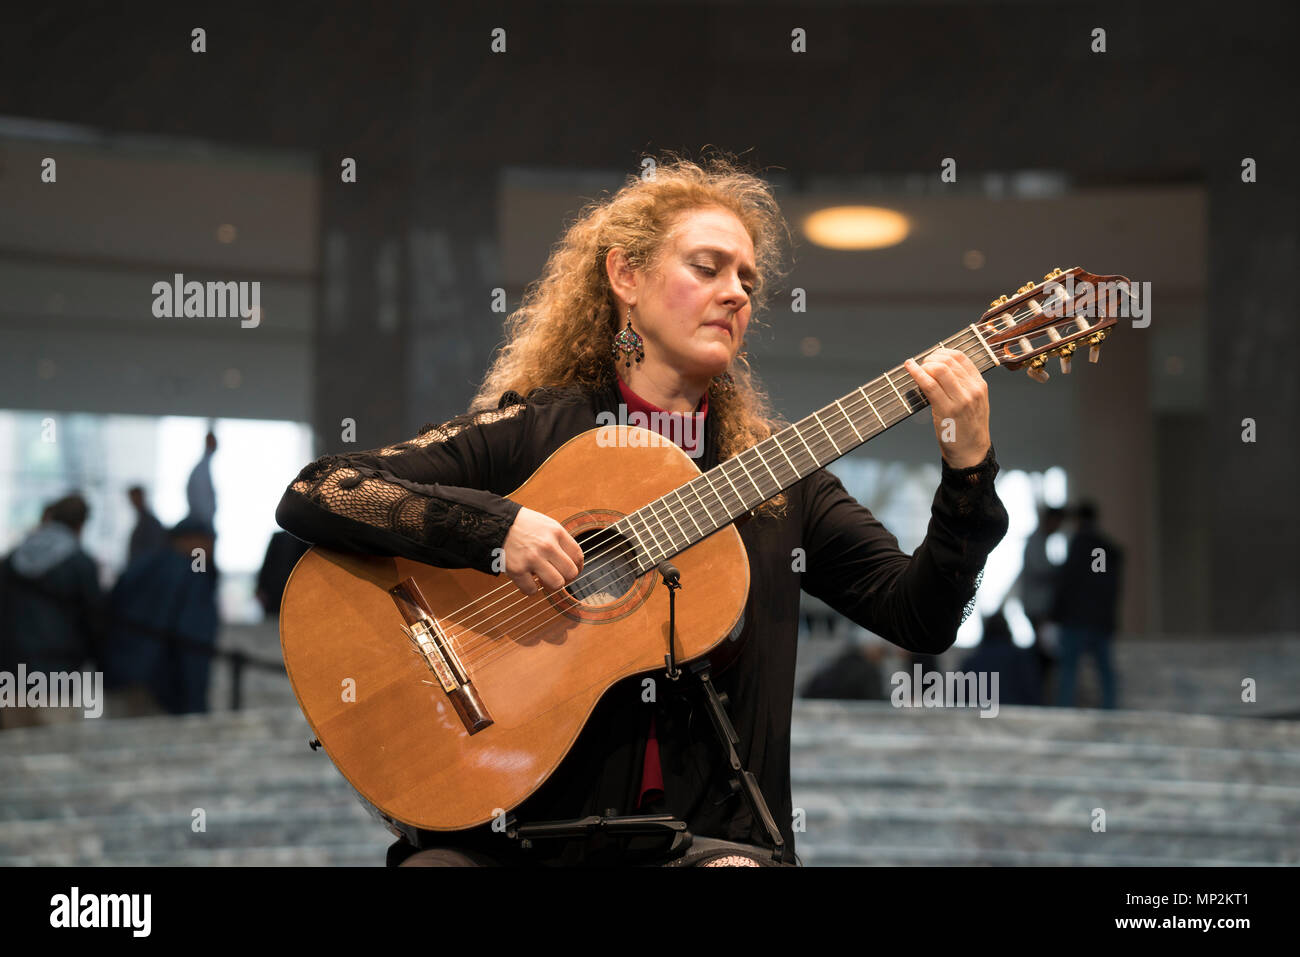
{"x": 875, "y": 785}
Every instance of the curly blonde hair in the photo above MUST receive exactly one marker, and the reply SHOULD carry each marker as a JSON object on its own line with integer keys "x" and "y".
{"x": 562, "y": 334}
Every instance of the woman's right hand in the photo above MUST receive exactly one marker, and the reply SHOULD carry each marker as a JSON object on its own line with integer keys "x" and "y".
{"x": 537, "y": 546}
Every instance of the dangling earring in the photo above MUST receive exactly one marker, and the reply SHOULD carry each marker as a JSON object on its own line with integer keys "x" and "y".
{"x": 628, "y": 343}
{"x": 724, "y": 383}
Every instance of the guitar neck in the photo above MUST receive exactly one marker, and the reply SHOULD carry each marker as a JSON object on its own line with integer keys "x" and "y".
{"x": 674, "y": 522}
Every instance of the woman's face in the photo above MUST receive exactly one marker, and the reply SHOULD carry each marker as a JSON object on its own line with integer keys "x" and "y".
{"x": 693, "y": 309}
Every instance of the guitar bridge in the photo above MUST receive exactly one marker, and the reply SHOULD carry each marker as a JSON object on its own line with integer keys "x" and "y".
{"x": 433, "y": 646}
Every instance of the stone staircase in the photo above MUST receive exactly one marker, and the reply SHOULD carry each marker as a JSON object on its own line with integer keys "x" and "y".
{"x": 125, "y": 792}
{"x": 873, "y": 784}
{"x": 944, "y": 786}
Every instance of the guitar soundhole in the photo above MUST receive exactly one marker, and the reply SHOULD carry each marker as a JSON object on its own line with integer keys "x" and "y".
{"x": 608, "y": 567}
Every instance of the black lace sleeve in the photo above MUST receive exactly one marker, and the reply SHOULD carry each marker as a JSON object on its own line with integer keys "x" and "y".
{"x": 427, "y": 499}
{"x": 854, "y": 563}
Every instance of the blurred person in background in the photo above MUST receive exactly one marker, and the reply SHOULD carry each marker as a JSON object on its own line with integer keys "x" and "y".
{"x": 149, "y": 533}
{"x": 199, "y": 491}
{"x": 1019, "y": 677}
{"x": 163, "y": 624}
{"x": 1036, "y": 588}
{"x": 51, "y": 605}
{"x": 1087, "y": 603}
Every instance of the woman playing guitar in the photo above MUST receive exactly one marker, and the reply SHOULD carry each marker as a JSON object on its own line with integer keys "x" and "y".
{"x": 644, "y": 305}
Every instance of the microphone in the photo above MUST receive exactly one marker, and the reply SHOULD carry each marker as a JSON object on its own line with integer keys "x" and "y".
{"x": 669, "y": 571}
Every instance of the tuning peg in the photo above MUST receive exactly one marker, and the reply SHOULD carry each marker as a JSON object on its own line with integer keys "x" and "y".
{"x": 1094, "y": 345}
{"x": 1053, "y": 274}
{"x": 1036, "y": 370}
{"x": 1066, "y": 353}
{"x": 1026, "y": 287}
{"x": 997, "y": 302}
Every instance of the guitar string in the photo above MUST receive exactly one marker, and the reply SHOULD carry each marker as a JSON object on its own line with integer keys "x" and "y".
{"x": 598, "y": 569}
{"x": 837, "y": 430}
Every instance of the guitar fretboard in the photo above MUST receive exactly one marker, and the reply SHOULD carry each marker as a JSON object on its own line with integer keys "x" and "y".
{"x": 690, "y": 513}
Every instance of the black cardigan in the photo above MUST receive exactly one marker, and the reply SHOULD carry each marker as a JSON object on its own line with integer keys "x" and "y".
{"x": 438, "y": 498}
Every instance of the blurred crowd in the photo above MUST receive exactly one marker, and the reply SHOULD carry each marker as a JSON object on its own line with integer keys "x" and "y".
{"x": 153, "y": 633}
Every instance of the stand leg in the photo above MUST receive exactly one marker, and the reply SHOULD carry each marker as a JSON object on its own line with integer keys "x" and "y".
{"x": 742, "y": 780}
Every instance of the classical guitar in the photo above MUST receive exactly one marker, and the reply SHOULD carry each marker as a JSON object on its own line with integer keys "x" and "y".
{"x": 445, "y": 696}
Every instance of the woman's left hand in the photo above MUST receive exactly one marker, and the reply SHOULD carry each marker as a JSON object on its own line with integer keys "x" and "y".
{"x": 959, "y": 402}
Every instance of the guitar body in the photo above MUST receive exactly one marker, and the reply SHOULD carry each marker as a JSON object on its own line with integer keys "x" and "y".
{"x": 538, "y": 664}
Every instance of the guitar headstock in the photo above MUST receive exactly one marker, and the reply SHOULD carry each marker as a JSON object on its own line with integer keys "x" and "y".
{"x": 1053, "y": 317}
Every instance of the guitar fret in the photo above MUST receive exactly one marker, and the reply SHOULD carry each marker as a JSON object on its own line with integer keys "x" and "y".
{"x": 654, "y": 513}
{"x": 725, "y": 511}
{"x": 635, "y": 534}
{"x": 863, "y": 390}
{"x": 818, "y": 417}
{"x": 740, "y": 498}
{"x": 672, "y": 543}
{"x": 708, "y": 513}
{"x": 850, "y": 421}
{"x": 763, "y": 458}
{"x": 741, "y": 463}
{"x": 688, "y": 513}
{"x": 799, "y": 432}
{"x": 890, "y": 379}
{"x": 649, "y": 552}
{"x": 776, "y": 437}
{"x": 677, "y": 519}
{"x": 658, "y": 539}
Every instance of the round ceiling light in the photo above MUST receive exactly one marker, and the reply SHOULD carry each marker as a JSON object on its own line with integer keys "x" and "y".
{"x": 856, "y": 227}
